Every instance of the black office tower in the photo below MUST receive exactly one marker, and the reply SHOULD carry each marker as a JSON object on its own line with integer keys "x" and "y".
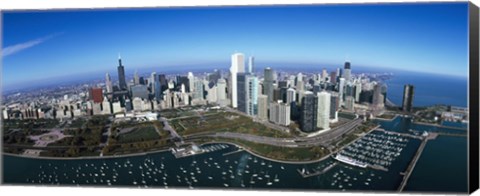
{"x": 407, "y": 104}
{"x": 121, "y": 75}
{"x": 308, "y": 116}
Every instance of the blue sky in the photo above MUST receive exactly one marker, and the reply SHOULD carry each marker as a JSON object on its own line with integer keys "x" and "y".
{"x": 420, "y": 37}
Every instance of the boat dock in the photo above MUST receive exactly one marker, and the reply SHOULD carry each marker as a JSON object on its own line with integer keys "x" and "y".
{"x": 402, "y": 134}
{"x": 326, "y": 169}
{"x": 378, "y": 167}
{"x": 412, "y": 164}
{"x": 233, "y": 152}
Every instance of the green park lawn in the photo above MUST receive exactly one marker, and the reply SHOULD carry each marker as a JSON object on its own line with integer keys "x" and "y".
{"x": 142, "y": 133}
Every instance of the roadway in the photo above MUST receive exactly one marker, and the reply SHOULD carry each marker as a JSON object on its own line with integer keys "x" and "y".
{"x": 323, "y": 139}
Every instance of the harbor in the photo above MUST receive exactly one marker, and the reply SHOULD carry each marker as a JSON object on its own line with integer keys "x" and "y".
{"x": 227, "y": 166}
{"x": 376, "y": 150}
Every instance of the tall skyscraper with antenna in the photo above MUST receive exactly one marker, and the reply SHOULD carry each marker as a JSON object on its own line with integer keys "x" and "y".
{"x": 122, "y": 84}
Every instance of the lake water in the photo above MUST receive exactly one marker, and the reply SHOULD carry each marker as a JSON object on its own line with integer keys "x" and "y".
{"x": 244, "y": 170}
{"x": 430, "y": 89}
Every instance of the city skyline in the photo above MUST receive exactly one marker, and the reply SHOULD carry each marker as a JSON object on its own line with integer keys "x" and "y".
{"x": 200, "y": 36}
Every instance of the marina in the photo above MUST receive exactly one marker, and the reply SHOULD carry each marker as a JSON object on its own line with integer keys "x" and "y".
{"x": 377, "y": 150}
{"x": 224, "y": 165}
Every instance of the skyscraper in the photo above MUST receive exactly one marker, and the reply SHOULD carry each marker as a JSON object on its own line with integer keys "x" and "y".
{"x": 191, "y": 81}
{"x": 377, "y": 100}
{"x": 136, "y": 79}
{"x": 349, "y": 103}
{"x": 341, "y": 88}
{"x": 323, "y": 110}
{"x": 139, "y": 91}
{"x": 291, "y": 95}
{"x": 280, "y": 113}
{"x": 182, "y": 80}
{"x": 96, "y": 95}
{"x": 408, "y": 93}
{"x": 122, "y": 84}
{"x": 108, "y": 83}
{"x": 300, "y": 89}
{"x": 238, "y": 66}
{"x": 358, "y": 91}
{"x": 251, "y": 94}
{"x": 221, "y": 89}
{"x": 324, "y": 75}
{"x": 268, "y": 83}
{"x": 251, "y": 66}
{"x": 241, "y": 92}
{"x": 262, "y": 107}
{"x": 308, "y": 116}
{"x": 198, "y": 91}
{"x": 348, "y": 72}
{"x": 211, "y": 92}
{"x": 333, "y": 77}
{"x": 213, "y": 77}
{"x": 334, "y": 105}
{"x": 163, "y": 82}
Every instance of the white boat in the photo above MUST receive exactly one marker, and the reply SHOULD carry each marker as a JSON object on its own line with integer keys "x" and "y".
{"x": 350, "y": 161}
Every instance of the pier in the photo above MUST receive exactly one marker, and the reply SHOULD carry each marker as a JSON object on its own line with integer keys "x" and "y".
{"x": 233, "y": 152}
{"x": 326, "y": 169}
{"x": 412, "y": 164}
{"x": 402, "y": 134}
{"x": 378, "y": 167}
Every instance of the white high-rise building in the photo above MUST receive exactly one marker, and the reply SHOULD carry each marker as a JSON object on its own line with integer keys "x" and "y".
{"x": 182, "y": 88}
{"x": 299, "y": 77}
{"x": 358, "y": 90}
{"x": 251, "y": 66}
{"x": 238, "y": 66}
{"x": 137, "y": 104}
{"x": 96, "y": 109}
{"x": 341, "y": 86}
{"x": 191, "y": 80}
{"x": 211, "y": 94}
{"x": 262, "y": 107}
{"x": 5, "y": 114}
{"x": 300, "y": 90}
{"x": 349, "y": 103}
{"x": 117, "y": 107}
{"x": 291, "y": 95}
{"x": 136, "y": 79}
{"x": 108, "y": 83}
{"x": 280, "y": 113}
{"x": 106, "y": 106}
{"x": 323, "y": 110}
{"x": 221, "y": 89}
{"x": 324, "y": 75}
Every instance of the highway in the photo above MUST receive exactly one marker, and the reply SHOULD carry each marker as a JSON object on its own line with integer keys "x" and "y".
{"x": 323, "y": 139}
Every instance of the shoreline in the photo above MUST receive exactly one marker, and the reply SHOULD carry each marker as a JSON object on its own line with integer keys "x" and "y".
{"x": 424, "y": 123}
{"x": 87, "y": 157}
{"x": 442, "y": 126}
{"x": 241, "y": 146}
{"x": 266, "y": 158}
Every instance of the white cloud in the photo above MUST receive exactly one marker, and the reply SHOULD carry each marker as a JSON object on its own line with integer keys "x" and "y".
{"x": 9, "y": 50}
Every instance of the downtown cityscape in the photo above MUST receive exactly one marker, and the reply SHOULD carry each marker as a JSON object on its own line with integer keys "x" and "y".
{"x": 245, "y": 124}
